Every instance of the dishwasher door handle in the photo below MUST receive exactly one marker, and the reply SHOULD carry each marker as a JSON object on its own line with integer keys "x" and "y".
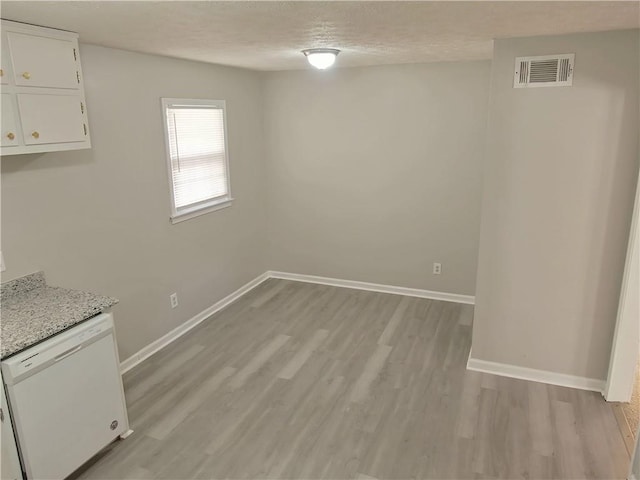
{"x": 68, "y": 353}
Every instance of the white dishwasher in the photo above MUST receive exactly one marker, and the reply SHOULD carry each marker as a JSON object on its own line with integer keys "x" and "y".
{"x": 66, "y": 398}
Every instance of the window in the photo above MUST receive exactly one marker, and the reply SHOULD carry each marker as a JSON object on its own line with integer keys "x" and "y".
{"x": 195, "y": 132}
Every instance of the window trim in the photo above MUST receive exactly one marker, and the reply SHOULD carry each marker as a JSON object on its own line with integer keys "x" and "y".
{"x": 207, "y": 206}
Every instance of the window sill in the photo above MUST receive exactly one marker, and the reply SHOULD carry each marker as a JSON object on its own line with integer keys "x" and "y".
{"x": 181, "y": 217}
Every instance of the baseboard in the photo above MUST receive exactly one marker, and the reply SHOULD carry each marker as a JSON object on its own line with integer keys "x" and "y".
{"x": 375, "y": 287}
{"x": 531, "y": 374}
{"x": 177, "y": 332}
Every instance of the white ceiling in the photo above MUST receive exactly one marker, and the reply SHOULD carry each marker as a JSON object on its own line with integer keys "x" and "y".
{"x": 270, "y": 35}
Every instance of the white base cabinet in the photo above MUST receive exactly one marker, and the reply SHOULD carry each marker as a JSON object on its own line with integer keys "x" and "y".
{"x": 9, "y": 461}
{"x": 43, "y": 102}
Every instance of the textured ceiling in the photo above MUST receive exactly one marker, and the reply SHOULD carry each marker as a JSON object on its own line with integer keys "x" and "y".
{"x": 270, "y": 35}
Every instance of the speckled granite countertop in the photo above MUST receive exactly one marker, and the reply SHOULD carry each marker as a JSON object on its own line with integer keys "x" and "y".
{"x": 32, "y": 311}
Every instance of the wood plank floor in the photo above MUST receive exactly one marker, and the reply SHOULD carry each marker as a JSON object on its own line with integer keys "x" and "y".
{"x": 298, "y": 381}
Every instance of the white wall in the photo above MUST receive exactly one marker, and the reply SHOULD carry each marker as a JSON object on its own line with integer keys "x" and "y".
{"x": 625, "y": 352}
{"x": 560, "y": 176}
{"x": 375, "y": 173}
{"x": 99, "y": 219}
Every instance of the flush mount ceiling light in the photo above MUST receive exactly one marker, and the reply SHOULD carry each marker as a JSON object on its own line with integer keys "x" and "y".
{"x": 321, "y": 57}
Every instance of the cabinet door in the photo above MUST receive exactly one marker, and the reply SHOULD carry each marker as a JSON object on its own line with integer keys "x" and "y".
{"x": 10, "y": 464}
{"x": 8, "y": 126}
{"x": 43, "y": 62}
{"x": 4, "y": 71}
{"x": 51, "y": 118}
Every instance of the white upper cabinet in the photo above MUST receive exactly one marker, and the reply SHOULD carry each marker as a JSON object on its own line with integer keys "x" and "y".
{"x": 43, "y": 62}
{"x": 50, "y": 118}
{"x": 5, "y": 71}
{"x": 9, "y": 135}
{"x": 43, "y": 103}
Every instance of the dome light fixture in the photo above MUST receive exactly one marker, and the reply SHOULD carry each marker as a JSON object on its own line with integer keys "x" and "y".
{"x": 321, "y": 58}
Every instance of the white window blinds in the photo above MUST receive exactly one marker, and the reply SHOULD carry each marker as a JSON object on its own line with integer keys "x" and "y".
{"x": 197, "y": 158}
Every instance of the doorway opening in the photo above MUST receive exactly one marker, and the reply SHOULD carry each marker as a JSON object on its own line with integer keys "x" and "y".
{"x": 628, "y": 414}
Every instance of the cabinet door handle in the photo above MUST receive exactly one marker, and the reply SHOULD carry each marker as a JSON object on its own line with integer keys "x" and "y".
{"x": 10, "y": 136}
{"x": 26, "y": 75}
{"x": 35, "y": 135}
{"x": 1, "y": 72}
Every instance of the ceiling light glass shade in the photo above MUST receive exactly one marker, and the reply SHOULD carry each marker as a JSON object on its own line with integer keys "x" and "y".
{"x": 321, "y": 57}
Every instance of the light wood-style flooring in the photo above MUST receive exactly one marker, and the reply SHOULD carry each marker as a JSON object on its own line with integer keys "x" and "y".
{"x": 303, "y": 381}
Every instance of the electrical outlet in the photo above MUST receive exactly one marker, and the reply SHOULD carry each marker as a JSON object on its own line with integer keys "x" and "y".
{"x": 437, "y": 268}
{"x": 174, "y": 300}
